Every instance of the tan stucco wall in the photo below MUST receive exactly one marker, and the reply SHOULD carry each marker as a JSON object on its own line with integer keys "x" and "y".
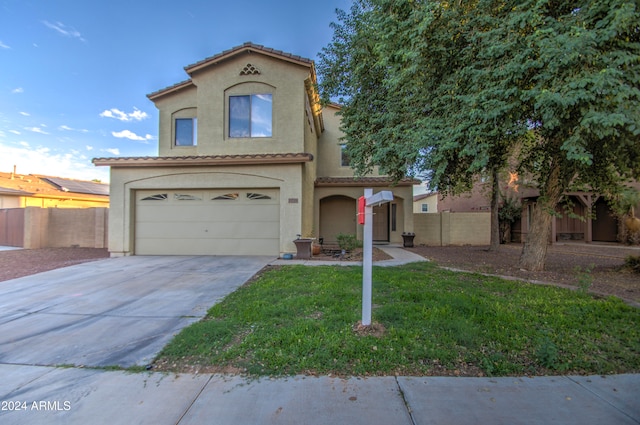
{"x": 402, "y": 197}
{"x": 65, "y": 227}
{"x": 445, "y": 229}
{"x": 125, "y": 181}
{"x": 10, "y": 201}
{"x": 329, "y": 152}
{"x": 431, "y": 201}
{"x": 213, "y": 85}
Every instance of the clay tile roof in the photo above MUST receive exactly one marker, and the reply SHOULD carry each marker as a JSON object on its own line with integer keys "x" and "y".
{"x": 246, "y": 47}
{"x": 200, "y": 160}
{"x": 363, "y": 181}
{"x": 178, "y": 86}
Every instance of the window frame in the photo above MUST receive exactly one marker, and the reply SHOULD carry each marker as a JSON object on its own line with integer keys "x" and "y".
{"x": 193, "y": 133}
{"x": 252, "y": 112}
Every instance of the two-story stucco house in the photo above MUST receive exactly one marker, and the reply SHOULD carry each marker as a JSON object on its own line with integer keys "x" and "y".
{"x": 248, "y": 160}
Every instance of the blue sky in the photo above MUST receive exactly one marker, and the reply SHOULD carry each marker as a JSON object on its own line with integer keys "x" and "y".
{"x": 74, "y": 75}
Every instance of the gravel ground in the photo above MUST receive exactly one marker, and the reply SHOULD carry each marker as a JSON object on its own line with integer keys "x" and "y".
{"x": 600, "y": 267}
{"x": 24, "y": 262}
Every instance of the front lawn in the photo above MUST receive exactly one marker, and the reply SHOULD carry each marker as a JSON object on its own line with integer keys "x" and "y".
{"x": 302, "y": 320}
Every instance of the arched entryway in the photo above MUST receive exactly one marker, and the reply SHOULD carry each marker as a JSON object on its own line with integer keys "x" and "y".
{"x": 337, "y": 215}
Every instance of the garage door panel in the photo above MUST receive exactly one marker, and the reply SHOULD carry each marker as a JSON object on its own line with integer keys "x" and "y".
{"x": 205, "y": 230}
{"x": 172, "y": 213}
{"x": 163, "y": 246}
{"x": 171, "y": 222}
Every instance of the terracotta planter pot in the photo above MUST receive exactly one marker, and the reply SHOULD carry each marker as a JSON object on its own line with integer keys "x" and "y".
{"x": 633, "y": 224}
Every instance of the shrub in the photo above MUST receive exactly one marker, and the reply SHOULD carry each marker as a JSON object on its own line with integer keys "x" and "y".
{"x": 632, "y": 262}
{"x": 347, "y": 241}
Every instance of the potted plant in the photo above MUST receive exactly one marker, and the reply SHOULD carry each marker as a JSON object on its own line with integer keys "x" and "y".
{"x": 303, "y": 247}
{"x": 407, "y": 239}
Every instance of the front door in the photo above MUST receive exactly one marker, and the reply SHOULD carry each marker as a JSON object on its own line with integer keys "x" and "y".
{"x": 381, "y": 223}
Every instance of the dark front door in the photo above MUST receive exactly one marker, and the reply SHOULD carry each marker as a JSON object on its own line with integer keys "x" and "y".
{"x": 605, "y": 225}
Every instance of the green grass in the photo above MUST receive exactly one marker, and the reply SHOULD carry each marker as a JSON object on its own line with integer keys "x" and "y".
{"x": 296, "y": 320}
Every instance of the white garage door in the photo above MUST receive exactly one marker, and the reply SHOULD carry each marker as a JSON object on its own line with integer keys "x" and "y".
{"x": 207, "y": 222}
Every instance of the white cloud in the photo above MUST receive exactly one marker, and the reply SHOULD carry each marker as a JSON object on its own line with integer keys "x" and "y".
{"x": 23, "y": 143}
{"x": 36, "y": 130}
{"x": 67, "y": 128}
{"x": 64, "y": 30}
{"x": 126, "y": 134}
{"x": 16, "y": 132}
{"x": 3, "y": 46}
{"x": 89, "y": 148}
{"x": 17, "y": 90}
{"x": 43, "y": 161}
{"x": 26, "y": 114}
{"x": 136, "y": 115}
{"x": 112, "y": 151}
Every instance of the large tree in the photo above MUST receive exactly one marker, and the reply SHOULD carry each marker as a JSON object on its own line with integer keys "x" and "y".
{"x": 450, "y": 89}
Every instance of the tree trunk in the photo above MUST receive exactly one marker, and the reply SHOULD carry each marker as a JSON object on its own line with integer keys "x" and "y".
{"x": 495, "y": 220}
{"x": 534, "y": 252}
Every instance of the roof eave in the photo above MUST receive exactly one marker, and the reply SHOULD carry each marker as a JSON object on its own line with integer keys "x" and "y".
{"x": 191, "y": 161}
{"x": 247, "y": 48}
{"x": 369, "y": 182}
{"x": 171, "y": 89}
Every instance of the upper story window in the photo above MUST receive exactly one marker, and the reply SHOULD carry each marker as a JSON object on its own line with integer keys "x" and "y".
{"x": 345, "y": 159}
{"x": 251, "y": 115}
{"x": 186, "y": 131}
{"x": 425, "y": 207}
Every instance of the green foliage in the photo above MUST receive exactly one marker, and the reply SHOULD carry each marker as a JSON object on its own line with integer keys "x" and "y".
{"x": 296, "y": 319}
{"x": 547, "y": 352}
{"x": 510, "y": 210}
{"x": 449, "y": 89}
{"x": 632, "y": 263}
{"x": 348, "y": 241}
{"x": 584, "y": 277}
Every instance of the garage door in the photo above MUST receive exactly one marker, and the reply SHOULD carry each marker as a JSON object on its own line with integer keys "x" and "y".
{"x": 207, "y": 222}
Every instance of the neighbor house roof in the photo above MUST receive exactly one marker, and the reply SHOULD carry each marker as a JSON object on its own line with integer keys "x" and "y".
{"x": 247, "y": 47}
{"x": 363, "y": 181}
{"x": 37, "y": 185}
{"x": 422, "y": 196}
{"x": 199, "y": 160}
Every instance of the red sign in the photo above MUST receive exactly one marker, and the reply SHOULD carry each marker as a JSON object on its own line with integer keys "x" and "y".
{"x": 361, "y": 203}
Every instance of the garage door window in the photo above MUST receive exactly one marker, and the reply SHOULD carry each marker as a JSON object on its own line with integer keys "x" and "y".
{"x": 256, "y": 196}
{"x": 157, "y": 197}
{"x": 226, "y": 197}
{"x": 186, "y": 197}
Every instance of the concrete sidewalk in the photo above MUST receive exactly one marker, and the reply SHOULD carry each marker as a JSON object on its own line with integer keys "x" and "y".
{"x": 45, "y": 395}
{"x": 400, "y": 256}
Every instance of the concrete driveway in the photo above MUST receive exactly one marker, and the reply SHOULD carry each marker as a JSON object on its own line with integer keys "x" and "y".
{"x": 119, "y": 311}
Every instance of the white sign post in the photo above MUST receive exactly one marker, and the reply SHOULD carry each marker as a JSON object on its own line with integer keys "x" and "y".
{"x": 367, "y": 248}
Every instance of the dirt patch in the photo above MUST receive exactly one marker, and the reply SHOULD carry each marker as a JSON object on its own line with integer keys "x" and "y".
{"x": 598, "y": 268}
{"x": 25, "y": 262}
{"x": 375, "y": 329}
{"x": 355, "y": 255}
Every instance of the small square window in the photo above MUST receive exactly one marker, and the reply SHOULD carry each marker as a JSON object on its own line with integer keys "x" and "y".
{"x": 186, "y": 131}
{"x": 425, "y": 207}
